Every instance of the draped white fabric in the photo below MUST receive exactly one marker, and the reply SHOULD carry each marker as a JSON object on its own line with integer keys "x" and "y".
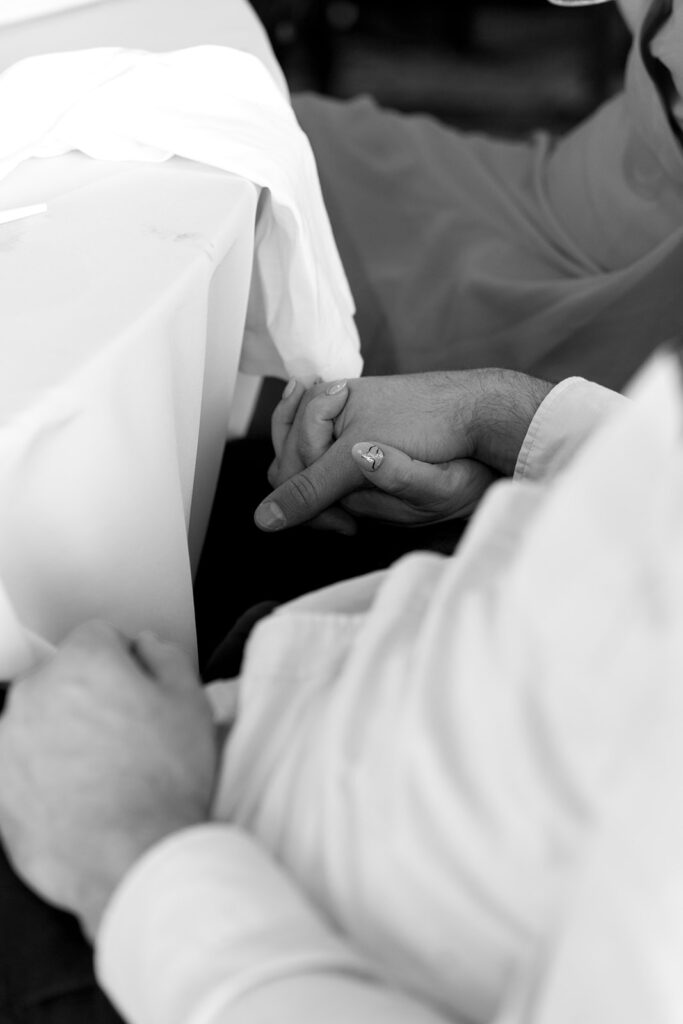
{"x": 128, "y": 309}
{"x": 13, "y": 11}
{"x": 220, "y": 107}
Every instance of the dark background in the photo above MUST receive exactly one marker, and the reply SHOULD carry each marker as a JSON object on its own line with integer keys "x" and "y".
{"x": 504, "y": 66}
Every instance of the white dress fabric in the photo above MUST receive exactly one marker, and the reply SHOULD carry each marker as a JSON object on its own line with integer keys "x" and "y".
{"x": 553, "y": 255}
{"x": 465, "y": 770}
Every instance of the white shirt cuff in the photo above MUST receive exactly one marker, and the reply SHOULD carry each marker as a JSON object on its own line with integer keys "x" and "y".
{"x": 567, "y": 417}
{"x": 203, "y": 919}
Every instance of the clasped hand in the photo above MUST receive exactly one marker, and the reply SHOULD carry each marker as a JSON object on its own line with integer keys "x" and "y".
{"x": 104, "y": 750}
{"x": 410, "y": 449}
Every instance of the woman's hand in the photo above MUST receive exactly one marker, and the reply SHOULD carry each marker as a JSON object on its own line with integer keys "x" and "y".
{"x": 458, "y": 429}
{"x": 409, "y": 492}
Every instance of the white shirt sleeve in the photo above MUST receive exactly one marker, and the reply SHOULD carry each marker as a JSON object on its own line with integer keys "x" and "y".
{"x": 436, "y": 764}
{"x": 564, "y": 421}
{"x": 206, "y": 927}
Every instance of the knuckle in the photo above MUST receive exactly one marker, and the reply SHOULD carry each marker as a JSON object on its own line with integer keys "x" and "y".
{"x": 306, "y": 398}
{"x": 88, "y": 652}
{"x": 312, "y": 448}
{"x": 316, "y": 404}
{"x": 92, "y": 634}
{"x": 303, "y": 490}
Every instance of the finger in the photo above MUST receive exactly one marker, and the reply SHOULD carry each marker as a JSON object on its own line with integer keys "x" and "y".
{"x": 401, "y": 484}
{"x": 375, "y": 504}
{"x": 313, "y": 430}
{"x": 317, "y": 426}
{"x": 92, "y": 636}
{"x": 167, "y": 663}
{"x": 284, "y": 413}
{"x": 308, "y": 493}
{"x": 87, "y": 648}
{"x": 273, "y": 473}
{"x": 336, "y": 520}
{"x": 395, "y": 473}
{"x": 89, "y": 660}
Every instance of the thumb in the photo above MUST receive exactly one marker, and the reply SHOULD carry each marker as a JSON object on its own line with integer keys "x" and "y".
{"x": 394, "y": 472}
{"x": 401, "y": 484}
{"x": 308, "y": 493}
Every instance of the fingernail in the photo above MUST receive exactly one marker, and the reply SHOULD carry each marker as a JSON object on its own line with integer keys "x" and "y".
{"x": 371, "y": 455}
{"x": 270, "y": 516}
{"x": 289, "y": 387}
{"x": 335, "y": 388}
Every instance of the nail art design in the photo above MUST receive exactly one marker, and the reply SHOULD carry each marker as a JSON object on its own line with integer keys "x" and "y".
{"x": 373, "y": 456}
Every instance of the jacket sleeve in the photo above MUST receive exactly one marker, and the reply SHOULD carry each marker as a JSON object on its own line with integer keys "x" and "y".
{"x": 207, "y": 928}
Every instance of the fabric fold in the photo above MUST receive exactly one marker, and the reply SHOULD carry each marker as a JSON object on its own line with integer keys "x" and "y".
{"x": 217, "y": 106}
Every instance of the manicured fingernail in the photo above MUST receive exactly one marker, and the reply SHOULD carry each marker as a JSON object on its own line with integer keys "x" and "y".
{"x": 289, "y": 388}
{"x": 371, "y": 455}
{"x": 269, "y": 516}
{"x": 335, "y": 388}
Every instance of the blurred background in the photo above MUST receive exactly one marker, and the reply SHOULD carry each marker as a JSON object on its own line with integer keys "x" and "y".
{"x": 502, "y": 66}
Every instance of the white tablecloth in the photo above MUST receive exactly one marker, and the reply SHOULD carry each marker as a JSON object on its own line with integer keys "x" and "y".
{"x": 157, "y": 25}
{"x": 121, "y": 322}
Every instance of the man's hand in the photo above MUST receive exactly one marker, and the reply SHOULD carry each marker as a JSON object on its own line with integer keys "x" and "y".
{"x": 469, "y": 423}
{"x": 104, "y": 750}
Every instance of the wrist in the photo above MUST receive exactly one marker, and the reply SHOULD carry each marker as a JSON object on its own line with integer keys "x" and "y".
{"x": 123, "y": 851}
{"x": 506, "y": 402}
